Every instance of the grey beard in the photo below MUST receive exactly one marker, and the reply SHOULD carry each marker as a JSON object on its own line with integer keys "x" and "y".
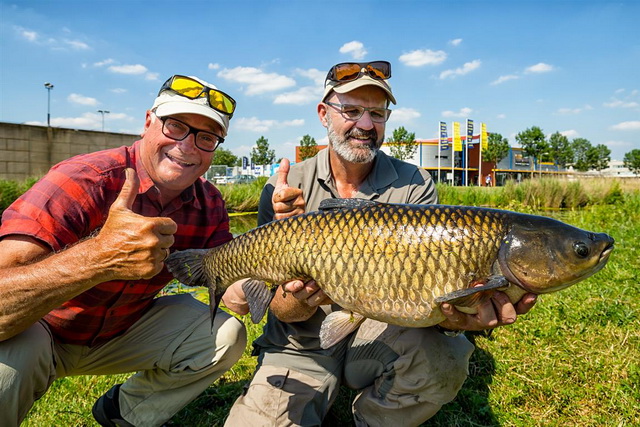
{"x": 360, "y": 154}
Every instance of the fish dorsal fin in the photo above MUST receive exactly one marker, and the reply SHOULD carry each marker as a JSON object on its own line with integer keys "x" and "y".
{"x": 330, "y": 204}
{"x": 337, "y": 325}
{"x": 471, "y": 297}
{"x": 259, "y": 297}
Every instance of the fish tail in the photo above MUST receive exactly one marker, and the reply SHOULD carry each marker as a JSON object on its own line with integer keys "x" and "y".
{"x": 187, "y": 267}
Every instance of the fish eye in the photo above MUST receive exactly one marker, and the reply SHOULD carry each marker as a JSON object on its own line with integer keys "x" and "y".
{"x": 581, "y": 249}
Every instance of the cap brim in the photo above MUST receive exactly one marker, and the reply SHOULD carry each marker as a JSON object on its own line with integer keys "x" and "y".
{"x": 355, "y": 84}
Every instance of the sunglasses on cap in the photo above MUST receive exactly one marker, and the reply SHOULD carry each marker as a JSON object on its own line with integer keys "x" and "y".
{"x": 349, "y": 71}
{"x": 192, "y": 89}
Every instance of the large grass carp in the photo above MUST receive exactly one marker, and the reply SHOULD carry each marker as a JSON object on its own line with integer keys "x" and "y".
{"x": 398, "y": 263}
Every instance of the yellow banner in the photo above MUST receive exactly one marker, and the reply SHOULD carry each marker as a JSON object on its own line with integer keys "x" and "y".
{"x": 457, "y": 142}
{"x": 484, "y": 137}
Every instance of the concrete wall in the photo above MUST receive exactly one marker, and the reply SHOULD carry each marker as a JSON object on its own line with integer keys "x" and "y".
{"x": 29, "y": 151}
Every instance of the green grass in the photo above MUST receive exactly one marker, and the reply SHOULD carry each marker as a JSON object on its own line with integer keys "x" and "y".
{"x": 574, "y": 360}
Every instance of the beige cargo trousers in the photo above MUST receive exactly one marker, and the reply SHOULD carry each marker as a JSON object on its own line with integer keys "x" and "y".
{"x": 403, "y": 377}
{"x": 173, "y": 350}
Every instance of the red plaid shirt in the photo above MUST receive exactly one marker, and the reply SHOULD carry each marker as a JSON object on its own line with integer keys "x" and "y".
{"x": 73, "y": 200}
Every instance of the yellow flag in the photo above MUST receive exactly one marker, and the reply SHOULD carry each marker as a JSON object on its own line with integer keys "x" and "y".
{"x": 484, "y": 137}
{"x": 457, "y": 142}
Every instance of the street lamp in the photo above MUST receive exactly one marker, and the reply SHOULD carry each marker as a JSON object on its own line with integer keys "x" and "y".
{"x": 103, "y": 112}
{"x": 49, "y": 86}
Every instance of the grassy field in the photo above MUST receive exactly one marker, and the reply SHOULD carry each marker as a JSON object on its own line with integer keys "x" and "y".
{"x": 573, "y": 361}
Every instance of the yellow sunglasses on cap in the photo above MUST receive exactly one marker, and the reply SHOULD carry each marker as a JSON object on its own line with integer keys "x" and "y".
{"x": 192, "y": 89}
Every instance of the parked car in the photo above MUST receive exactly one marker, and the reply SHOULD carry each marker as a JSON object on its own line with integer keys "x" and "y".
{"x": 241, "y": 179}
{"x": 220, "y": 179}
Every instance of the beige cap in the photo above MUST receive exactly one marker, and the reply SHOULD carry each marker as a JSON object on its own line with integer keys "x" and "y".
{"x": 365, "y": 80}
{"x": 168, "y": 103}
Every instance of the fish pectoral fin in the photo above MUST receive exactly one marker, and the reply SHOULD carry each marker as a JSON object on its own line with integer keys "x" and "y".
{"x": 214, "y": 302}
{"x": 330, "y": 204}
{"x": 187, "y": 268}
{"x": 472, "y": 297}
{"x": 337, "y": 326}
{"x": 259, "y": 296}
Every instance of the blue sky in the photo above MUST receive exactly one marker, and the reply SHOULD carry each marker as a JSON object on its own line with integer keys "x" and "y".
{"x": 566, "y": 66}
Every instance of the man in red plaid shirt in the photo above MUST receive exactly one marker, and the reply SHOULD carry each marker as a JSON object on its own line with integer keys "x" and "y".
{"x": 82, "y": 260}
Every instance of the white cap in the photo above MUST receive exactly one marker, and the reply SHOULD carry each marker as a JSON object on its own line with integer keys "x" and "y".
{"x": 365, "y": 80}
{"x": 169, "y": 103}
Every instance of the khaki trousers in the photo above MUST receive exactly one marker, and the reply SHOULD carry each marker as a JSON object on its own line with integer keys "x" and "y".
{"x": 403, "y": 377}
{"x": 172, "y": 348}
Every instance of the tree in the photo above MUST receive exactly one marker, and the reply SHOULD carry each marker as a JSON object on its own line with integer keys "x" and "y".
{"x": 402, "y": 144}
{"x": 224, "y": 157}
{"x": 260, "y": 154}
{"x": 599, "y": 157}
{"x": 308, "y": 147}
{"x": 533, "y": 143}
{"x": 632, "y": 161}
{"x": 560, "y": 149}
{"x": 497, "y": 148}
{"x": 581, "y": 147}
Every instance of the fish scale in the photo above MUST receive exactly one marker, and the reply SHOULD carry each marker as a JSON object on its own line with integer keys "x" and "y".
{"x": 397, "y": 263}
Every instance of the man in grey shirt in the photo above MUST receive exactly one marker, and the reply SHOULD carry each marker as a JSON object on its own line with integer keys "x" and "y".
{"x": 403, "y": 375}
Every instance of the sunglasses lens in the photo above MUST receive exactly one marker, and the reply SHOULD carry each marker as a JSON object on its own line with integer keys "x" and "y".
{"x": 379, "y": 70}
{"x": 346, "y": 71}
{"x": 221, "y": 102}
{"x": 187, "y": 87}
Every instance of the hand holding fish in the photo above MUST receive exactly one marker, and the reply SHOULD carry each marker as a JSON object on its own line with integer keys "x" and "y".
{"x": 133, "y": 246}
{"x": 496, "y": 311}
{"x": 299, "y": 301}
{"x": 287, "y": 201}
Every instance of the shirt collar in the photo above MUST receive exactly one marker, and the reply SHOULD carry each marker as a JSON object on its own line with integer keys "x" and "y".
{"x": 381, "y": 176}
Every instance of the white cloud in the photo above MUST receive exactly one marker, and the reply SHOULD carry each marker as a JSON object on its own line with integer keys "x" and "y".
{"x": 455, "y": 42}
{"x": 151, "y": 76}
{"x": 464, "y": 112}
{"x": 540, "y": 67}
{"x": 631, "y": 125}
{"x": 78, "y": 45}
{"x": 501, "y": 116}
{"x": 506, "y": 78}
{"x": 355, "y": 49}
{"x": 570, "y": 133}
{"x": 128, "y": 69}
{"x": 253, "y": 124}
{"x": 403, "y": 115}
{"x": 257, "y": 81}
{"x": 75, "y": 98}
{"x": 616, "y": 103}
{"x": 28, "y": 35}
{"x": 103, "y": 63}
{"x": 304, "y": 95}
{"x": 574, "y": 110}
{"x": 212, "y": 66}
{"x": 317, "y": 76}
{"x": 118, "y": 90}
{"x": 418, "y": 58}
{"x": 461, "y": 71}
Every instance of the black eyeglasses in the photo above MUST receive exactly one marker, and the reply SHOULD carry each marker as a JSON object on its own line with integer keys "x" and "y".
{"x": 348, "y": 71}
{"x": 354, "y": 112}
{"x": 192, "y": 89}
{"x": 178, "y": 130}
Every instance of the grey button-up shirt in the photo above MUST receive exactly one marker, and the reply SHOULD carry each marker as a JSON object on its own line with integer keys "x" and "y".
{"x": 390, "y": 181}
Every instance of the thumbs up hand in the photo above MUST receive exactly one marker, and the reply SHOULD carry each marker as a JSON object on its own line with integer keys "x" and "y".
{"x": 287, "y": 201}
{"x": 133, "y": 246}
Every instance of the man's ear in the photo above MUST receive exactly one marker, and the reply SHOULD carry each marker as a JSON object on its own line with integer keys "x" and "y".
{"x": 148, "y": 120}
{"x": 322, "y": 113}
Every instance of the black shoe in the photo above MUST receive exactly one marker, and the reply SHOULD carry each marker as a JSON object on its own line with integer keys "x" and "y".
{"x": 106, "y": 410}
